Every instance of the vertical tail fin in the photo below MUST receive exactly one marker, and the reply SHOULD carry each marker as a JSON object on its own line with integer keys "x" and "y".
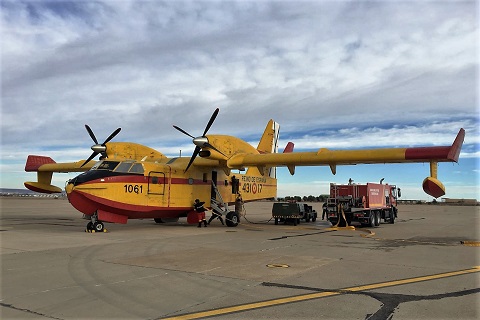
{"x": 268, "y": 144}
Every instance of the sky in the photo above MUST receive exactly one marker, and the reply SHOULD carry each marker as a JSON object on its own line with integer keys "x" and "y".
{"x": 333, "y": 74}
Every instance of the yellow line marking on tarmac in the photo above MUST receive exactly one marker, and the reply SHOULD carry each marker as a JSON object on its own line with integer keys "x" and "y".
{"x": 317, "y": 295}
{"x": 471, "y": 243}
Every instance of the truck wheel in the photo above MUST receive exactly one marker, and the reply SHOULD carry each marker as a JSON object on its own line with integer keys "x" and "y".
{"x": 232, "y": 219}
{"x": 371, "y": 220}
{"x": 377, "y": 218}
{"x": 294, "y": 221}
{"x": 392, "y": 216}
{"x": 276, "y": 220}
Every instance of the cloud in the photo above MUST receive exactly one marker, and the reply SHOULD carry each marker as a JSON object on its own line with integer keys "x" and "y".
{"x": 333, "y": 74}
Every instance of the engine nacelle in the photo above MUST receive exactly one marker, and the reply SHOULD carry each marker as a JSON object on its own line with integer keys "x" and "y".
{"x": 433, "y": 187}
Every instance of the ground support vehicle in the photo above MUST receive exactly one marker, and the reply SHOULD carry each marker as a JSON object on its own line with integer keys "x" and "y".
{"x": 293, "y": 212}
{"x": 367, "y": 204}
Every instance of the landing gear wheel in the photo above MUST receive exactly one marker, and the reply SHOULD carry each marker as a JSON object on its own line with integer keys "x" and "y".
{"x": 314, "y": 218}
{"x": 158, "y": 220}
{"x": 98, "y": 226}
{"x": 232, "y": 219}
{"x": 90, "y": 226}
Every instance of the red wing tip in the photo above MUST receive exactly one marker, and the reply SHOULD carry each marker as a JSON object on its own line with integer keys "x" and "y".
{"x": 456, "y": 147}
{"x": 35, "y": 162}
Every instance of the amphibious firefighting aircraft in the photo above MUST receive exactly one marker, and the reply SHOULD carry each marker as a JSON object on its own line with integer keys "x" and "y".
{"x": 132, "y": 181}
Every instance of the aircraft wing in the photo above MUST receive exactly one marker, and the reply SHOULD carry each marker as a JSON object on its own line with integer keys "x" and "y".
{"x": 346, "y": 157}
{"x": 45, "y": 167}
{"x": 333, "y": 158}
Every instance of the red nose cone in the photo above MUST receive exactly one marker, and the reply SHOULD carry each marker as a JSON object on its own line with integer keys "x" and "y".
{"x": 433, "y": 187}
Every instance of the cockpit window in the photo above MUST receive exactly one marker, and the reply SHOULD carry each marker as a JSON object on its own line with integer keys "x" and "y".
{"x": 108, "y": 165}
{"x": 124, "y": 166}
{"x": 136, "y": 168}
{"x": 95, "y": 166}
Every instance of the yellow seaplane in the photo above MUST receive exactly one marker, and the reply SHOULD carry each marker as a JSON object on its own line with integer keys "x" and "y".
{"x": 132, "y": 181}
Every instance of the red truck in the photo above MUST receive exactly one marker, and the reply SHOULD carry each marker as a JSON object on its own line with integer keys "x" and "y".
{"x": 365, "y": 203}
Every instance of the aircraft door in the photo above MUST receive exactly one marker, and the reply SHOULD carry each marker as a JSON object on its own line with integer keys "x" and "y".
{"x": 235, "y": 185}
{"x": 157, "y": 186}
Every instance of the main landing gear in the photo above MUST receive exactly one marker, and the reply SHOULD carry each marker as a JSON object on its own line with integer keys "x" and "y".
{"x": 95, "y": 225}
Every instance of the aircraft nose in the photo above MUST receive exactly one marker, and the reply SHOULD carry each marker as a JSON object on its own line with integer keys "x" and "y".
{"x": 69, "y": 187}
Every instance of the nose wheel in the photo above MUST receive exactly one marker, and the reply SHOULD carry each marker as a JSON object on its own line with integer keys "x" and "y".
{"x": 95, "y": 225}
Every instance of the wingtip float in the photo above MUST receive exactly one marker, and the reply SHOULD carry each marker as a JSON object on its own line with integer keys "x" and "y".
{"x": 132, "y": 181}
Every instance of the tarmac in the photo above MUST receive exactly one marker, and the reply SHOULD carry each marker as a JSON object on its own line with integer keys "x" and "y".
{"x": 425, "y": 266}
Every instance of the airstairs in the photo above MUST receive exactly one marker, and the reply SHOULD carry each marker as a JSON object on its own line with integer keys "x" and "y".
{"x": 232, "y": 218}
{"x": 217, "y": 203}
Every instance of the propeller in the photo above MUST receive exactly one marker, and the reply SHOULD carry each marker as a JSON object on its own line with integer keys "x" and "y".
{"x": 202, "y": 141}
{"x": 99, "y": 148}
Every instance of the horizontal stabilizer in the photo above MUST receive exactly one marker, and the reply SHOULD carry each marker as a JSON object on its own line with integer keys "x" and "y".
{"x": 289, "y": 147}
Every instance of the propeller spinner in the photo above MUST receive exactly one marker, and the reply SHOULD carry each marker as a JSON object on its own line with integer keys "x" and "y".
{"x": 202, "y": 141}
{"x": 99, "y": 148}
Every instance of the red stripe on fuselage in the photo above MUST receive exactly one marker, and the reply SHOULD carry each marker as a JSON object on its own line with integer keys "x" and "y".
{"x": 144, "y": 179}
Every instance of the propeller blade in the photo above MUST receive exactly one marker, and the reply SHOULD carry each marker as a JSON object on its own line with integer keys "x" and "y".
{"x": 183, "y": 131}
{"x": 201, "y": 141}
{"x": 89, "y": 158}
{"x": 90, "y": 132}
{"x": 208, "y": 145}
{"x": 98, "y": 148}
{"x": 114, "y": 133}
{"x": 212, "y": 118}
{"x": 194, "y": 155}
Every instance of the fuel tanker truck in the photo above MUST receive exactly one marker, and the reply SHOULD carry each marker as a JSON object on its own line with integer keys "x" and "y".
{"x": 367, "y": 204}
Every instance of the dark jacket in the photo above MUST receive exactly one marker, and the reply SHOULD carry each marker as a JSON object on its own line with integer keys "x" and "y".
{"x": 198, "y": 206}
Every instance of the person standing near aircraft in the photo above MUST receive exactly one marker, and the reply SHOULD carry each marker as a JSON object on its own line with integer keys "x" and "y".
{"x": 200, "y": 210}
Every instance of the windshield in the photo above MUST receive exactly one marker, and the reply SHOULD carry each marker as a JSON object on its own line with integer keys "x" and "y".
{"x": 107, "y": 165}
{"x": 124, "y": 166}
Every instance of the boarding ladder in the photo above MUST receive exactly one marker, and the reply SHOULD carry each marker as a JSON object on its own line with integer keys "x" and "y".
{"x": 217, "y": 203}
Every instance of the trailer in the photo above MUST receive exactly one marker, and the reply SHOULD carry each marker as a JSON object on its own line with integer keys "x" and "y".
{"x": 367, "y": 204}
{"x": 293, "y": 212}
